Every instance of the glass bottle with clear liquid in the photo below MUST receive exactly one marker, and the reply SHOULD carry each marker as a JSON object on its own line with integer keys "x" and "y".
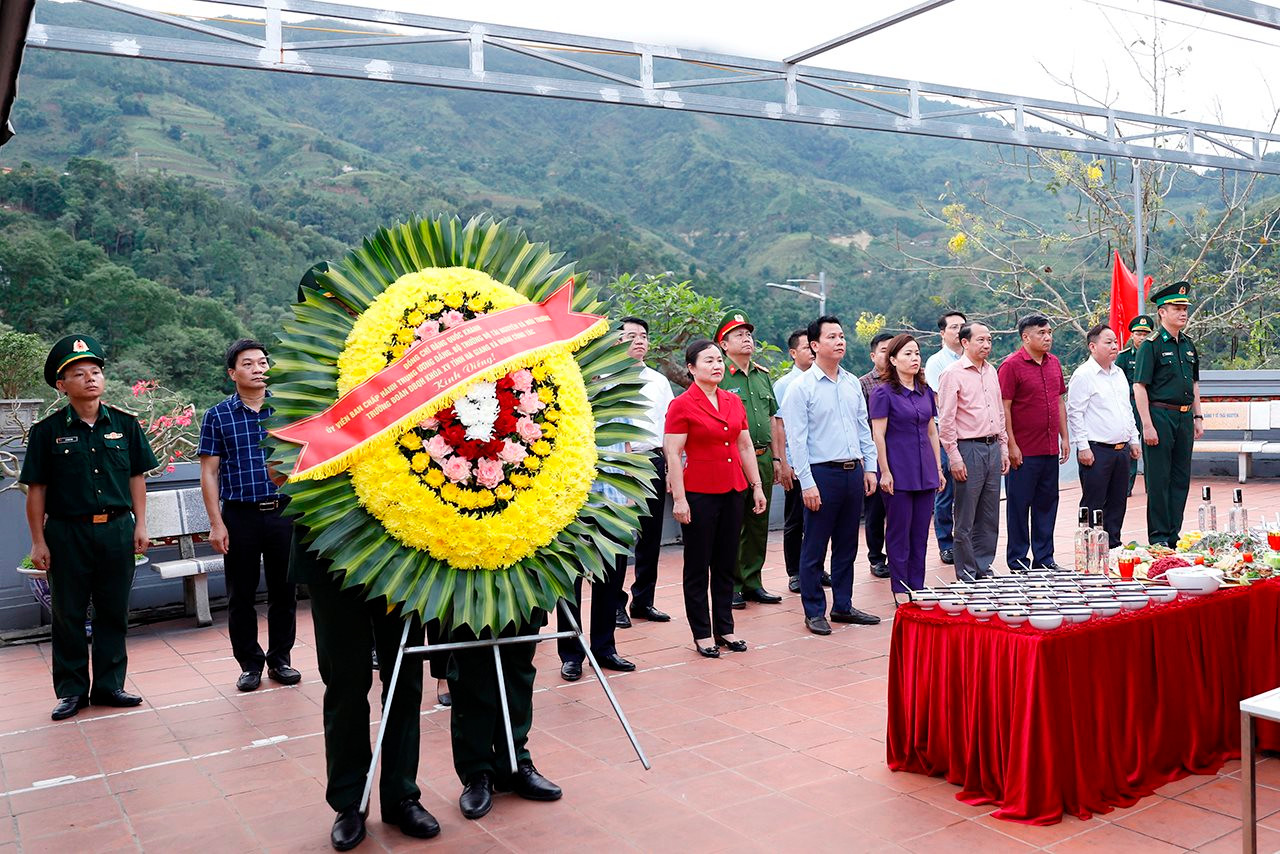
{"x": 1099, "y": 546}
{"x": 1082, "y": 541}
{"x": 1237, "y": 516}
{"x": 1208, "y": 514}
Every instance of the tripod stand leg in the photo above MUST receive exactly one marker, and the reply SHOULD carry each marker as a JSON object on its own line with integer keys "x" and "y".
{"x": 382, "y": 724}
{"x": 506, "y": 712}
{"x": 604, "y": 683}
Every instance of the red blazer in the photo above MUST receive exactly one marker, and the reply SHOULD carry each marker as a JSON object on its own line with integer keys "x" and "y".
{"x": 712, "y": 461}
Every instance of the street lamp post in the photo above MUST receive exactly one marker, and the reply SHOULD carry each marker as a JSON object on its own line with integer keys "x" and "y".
{"x": 793, "y": 285}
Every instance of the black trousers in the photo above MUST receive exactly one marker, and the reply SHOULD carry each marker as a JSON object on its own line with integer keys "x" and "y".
{"x": 475, "y": 720}
{"x": 649, "y": 542}
{"x": 259, "y": 538}
{"x": 605, "y": 598}
{"x": 711, "y": 560}
{"x": 344, "y": 622}
{"x": 792, "y": 528}
{"x": 1105, "y": 485}
{"x": 873, "y": 516}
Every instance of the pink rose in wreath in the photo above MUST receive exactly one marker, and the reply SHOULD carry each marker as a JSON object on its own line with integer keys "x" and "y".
{"x": 529, "y": 403}
{"x": 488, "y": 472}
{"x": 522, "y": 380}
{"x": 429, "y": 424}
{"x": 438, "y": 447}
{"x": 456, "y": 469}
{"x": 426, "y": 329}
{"x": 514, "y": 452}
{"x": 452, "y": 318}
{"x": 528, "y": 430}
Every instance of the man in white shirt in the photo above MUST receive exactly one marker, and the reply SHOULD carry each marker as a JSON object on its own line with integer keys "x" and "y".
{"x": 1100, "y": 423}
{"x": 657, "y": 397}
{"x": 949, "y": 330}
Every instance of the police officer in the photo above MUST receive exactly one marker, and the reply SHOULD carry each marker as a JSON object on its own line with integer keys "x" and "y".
{"x": 751, "y": 382}
{"x": 1166, "y": 391}
{"x": 87, "y": 508}
{"x": 1139, "y": 330}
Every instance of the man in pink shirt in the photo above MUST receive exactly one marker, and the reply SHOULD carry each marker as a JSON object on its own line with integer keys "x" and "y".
{"x": 1035, "y": 413}
{"x": 971, "y": 427}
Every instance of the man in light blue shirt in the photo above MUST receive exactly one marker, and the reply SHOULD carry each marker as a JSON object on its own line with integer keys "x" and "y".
{"x": 793, "y": 508}
{"x": 949, "y": 330}
{"x": 834, "y": 458}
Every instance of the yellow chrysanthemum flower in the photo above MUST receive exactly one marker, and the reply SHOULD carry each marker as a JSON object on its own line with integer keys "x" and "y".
{"x": 546, "y": 395}
{"x": 539, "y": 372}
{"x": 435, "y": 478}
{"x": 419, "y": 462}
{"x": 476, "y": 304}
{"x": 549, "y": 431}
{"x": 532, "y": 463}
{"x": 413, "y": 441}
{"x": 404, "y": 336}
{"x": 415, "y": 317}
{"x": 504, "y": 492}
{"x": 520, "y": 481}
{"x": 454, "y": 299}
{"x": 433, "y": 307}
{"x": 541, "y": 448}
{"x": 484, "y": 498}
{"x": 551, "y": 415}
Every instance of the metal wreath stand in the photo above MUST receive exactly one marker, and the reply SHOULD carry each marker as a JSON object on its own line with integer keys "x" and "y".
{"x": 493, "y": 643}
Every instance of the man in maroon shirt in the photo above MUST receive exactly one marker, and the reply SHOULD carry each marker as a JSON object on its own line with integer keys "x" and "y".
{"x": 1035, "y": 414}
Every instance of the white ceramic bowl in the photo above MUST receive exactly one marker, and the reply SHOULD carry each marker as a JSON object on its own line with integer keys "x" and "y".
{"x": 926, "y": 601}
{"x": 1045, "y": 620}
{"x": 1077, "y": 613}
{"x": 1161, "y": 593}
{"x": 952, "y": 604}
{"x": 1105, "y": 607}
{"x": 982, "y": 611}
{"x": 1133, "y": 601}
{"x": 1014, "y": 616}
{"x": 1195, "y": 580}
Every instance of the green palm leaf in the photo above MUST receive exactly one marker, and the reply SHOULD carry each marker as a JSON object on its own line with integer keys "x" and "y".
{"x": 304, "y": 379}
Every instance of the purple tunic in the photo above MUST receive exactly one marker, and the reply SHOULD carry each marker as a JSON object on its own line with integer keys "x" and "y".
{"x": 906, "y": 435}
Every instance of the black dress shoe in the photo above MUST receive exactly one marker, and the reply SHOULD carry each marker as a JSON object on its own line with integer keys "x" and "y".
{"x": 621, "y": 620}
{"x": 571, "y": 671}
{"x": 530, "y": 785}
{"x": 948, "y": 556}
{"x": 826, "y": 579}
{"x": 650, "y": 613}
{"x": 412, "y": 819}
{"x": 249, "y": 680}
{"x": 1051, "y": 566}
{"x": 793, "y": 584}
{"x": 738, "y": 602}
{"x": 69, "y": 707}
{"x": 707, "y": 651}
{"x": 348, "y": 829}
{"x": 445, "y": 699}
{"x": 763, "y": 596}
{"x": 477, "y": 796}
{"x": 880, "y": 570}
{"x": 817, "y": 625}
{"x": 285, "y": 675}
{"x": 613, "y": 661}
{"x": 738, "y": 645}
{"x": 853, "y": 615}
{"x": 119, "y": 698}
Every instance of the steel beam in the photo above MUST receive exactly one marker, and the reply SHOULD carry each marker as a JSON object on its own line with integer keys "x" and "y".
{"x": 883, "y": 23}
{"x": 794, "y": 93}
{"x": 1237, "y": 10}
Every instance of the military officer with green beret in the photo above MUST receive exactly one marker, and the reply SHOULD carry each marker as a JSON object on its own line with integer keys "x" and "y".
{"x": 87, "y": 511}
{"x": 1139, "y": 330}
{"x": 1166, "y": 391}
{"x": 751, "y": 382}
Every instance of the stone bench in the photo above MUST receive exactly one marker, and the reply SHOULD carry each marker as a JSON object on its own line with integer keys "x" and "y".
{"x": 1241, "y": 416}
{"x": 179, "y": 515}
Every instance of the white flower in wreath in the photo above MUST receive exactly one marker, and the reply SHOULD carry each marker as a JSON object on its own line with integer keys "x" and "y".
{"x": 478, "y": 410}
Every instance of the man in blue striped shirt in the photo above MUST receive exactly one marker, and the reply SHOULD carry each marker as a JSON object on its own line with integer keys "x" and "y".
{"x": 245, "y": 520}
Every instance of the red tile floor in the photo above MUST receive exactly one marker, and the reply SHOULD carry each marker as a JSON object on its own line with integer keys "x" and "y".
{"x": 780, "y": 748}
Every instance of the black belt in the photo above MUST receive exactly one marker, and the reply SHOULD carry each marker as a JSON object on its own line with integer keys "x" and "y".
{"x": 93, "y": 518}
{"x": 846, "y": 465}
{"x": 1115, "y": 446}
{"x": 269, "y": 505}
{"x": 1170, "y": 406}
{"x": 985, "y": 440}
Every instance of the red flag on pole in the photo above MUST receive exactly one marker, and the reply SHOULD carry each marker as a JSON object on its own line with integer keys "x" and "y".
{"x": 1125, "y": 302}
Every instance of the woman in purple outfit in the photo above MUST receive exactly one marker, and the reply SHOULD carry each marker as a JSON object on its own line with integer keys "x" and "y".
{"x": 902, "y": 411}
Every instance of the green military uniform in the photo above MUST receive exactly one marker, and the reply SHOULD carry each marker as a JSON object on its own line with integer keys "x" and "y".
{"x": 756, "y": 390}
{"x": 344, "y": 623}
{"x": 1124, "y": 361}
{"x": 1169, "y": 368}
{"x": 89, "y": 527}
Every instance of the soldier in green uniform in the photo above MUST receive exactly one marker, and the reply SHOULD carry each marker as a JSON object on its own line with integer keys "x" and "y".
{"x": 1166, "y": 390}
{"x": 344, "y": 621}
{"x": 87, "y": 511}
{"x": 751, "y": 382}
{"x": 1139, "y": 330}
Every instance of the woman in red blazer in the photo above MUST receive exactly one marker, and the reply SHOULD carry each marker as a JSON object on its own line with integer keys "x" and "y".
{"x": 709, "y": 427}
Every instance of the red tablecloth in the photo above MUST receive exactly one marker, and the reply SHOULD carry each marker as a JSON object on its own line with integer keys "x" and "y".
{"x": 1084, "y": 718}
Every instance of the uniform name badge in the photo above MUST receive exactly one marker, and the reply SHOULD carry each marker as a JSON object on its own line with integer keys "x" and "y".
{"x": 114, "y": 436}
{"x": 66, "y": 440}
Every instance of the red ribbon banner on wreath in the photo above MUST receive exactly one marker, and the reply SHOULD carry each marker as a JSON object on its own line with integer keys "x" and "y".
{"x": 431, "y": 371}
